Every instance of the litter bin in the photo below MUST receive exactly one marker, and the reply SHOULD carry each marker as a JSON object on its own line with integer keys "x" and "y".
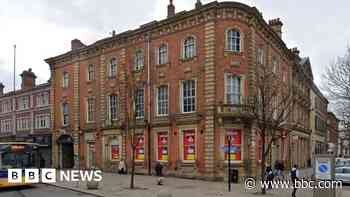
{"x": 234, "y": 175}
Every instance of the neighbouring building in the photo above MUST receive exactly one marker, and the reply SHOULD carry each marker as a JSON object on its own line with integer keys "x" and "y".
{"x": 318, "y": 121}
{"x": 189, "y": 76}
{"x": 25, "y": 114}
{"x": 332, "y": 133}
{"x": 344, "y": 143}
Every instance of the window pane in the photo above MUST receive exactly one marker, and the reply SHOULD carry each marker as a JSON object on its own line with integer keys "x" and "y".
{"x": 233, "y": 40}
{"x": 189, "y": 96}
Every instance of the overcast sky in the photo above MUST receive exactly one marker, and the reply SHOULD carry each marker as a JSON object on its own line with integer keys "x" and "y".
{"x": 43, "y": 28}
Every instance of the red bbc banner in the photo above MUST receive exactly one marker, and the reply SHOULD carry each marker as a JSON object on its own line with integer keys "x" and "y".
{"x": 236, "y": 142}
{"x": 114, "y": 152}
{"x": 163, "y": 147}
{"x": 236, "y": 135}
{"x": 189, "y": 142}
{"x": 140, "y": 150}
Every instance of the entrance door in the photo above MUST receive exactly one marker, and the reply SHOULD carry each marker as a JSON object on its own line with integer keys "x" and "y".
{"x": 67, "y": 156}
{"x": 66, "y": 151}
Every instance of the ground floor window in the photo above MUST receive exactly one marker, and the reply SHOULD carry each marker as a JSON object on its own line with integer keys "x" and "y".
{"x": 189, "y": 145}
{"x": 233, "y": 142}
{"x": 162, "y": 146}
{"x": 140, "y": 148}
{"x": 115, "y": 150}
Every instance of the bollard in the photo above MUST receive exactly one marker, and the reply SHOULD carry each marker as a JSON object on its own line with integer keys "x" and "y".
{"x": 164, "y": 193}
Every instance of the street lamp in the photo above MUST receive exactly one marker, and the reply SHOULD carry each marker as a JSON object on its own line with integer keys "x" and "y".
{"x": 229, "y": 138}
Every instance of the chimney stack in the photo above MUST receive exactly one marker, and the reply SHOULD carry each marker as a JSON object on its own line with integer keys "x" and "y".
{"x": 28, "y": 79}
{"x": 198, "y": 4}
{"x": 171, "y": 9}
{"x": 76, "y": 44}
{"x": 295, "y": 51}
{"x": 2, "y": 89}
{"x": 276, "y": 25}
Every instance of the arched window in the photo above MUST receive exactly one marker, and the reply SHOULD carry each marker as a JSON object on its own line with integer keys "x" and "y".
{"x": 163, "y": 54}
{"x": 233, "y": 40}
{"x": 189, "y": 47}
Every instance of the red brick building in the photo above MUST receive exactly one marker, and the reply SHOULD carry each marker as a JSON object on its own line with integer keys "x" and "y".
{"x": 189, "y": 76}
{"x": 25, "y": 114}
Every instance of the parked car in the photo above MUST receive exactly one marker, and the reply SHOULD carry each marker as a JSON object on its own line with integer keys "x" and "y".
{"x": 342, "y": 162}
{"x": 343, "y": 174}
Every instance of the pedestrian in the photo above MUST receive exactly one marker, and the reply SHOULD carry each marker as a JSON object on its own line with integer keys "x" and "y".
{"x": 294, "y": 174}
{"x": 159, "y": 169}
{"x": 269, "y": 176}
{"x": 282, "y": 169}
{"x": 122, "y": 167}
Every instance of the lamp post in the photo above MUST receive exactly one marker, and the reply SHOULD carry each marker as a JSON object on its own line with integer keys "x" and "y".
{"x": 229, "y": 138}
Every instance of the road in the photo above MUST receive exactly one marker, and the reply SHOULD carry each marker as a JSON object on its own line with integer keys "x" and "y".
{"x": 40, "y": 191}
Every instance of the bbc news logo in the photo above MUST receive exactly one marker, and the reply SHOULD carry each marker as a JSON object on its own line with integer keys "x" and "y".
{"x": 51, "y": 175}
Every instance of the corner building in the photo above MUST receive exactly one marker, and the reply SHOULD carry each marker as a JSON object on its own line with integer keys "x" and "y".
{"x": 190, "y": 75}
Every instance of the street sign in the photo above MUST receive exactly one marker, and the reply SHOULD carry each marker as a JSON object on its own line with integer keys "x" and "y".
{"x": 323, "y": 169}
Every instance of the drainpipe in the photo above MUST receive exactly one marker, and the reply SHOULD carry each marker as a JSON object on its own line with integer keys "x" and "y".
{"x": 148, "y": 40}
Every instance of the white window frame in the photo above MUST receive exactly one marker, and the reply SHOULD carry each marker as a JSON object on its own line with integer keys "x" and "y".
{"x": 182, "y": 96}
{"x": 189, "y": 46}
{"x": 65, "y": 79}
{"x": 42, "y": 99}
{"x": 139, "y": 60}
{"x": 90, "y": 110}
{"x": 141, "y": 104}
{"x": 23, "y": 102}
{"x": 90, "y": 72}
{"x": 6, "y": 106}
{"x": 23, "y": 123}
{"x": 181, "y": 144}
{"x": 233, "y": 47}
{"x": 260, "y": 56}
{"x": 227, "y": 75}
{"x": 6, "y": 126}
{"x": 113, "y": 62}
{"x": 161, "y": 61}
{"x": 42, "y": 117}
{"x": 167, "y": 100}
{"x": 63, "y": 114}
{"x": 109, "y": 106}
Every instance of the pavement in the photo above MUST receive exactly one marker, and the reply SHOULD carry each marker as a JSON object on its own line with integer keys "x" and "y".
{"x": 114, "y": 185}
{"x": 40, "y": 190}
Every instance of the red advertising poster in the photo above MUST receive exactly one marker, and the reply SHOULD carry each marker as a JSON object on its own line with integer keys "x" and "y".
{"x": 233, "y": 136}
{"x": 140, "y": 148}
{"x": 163, "y": 147}
{"x": 189, "y": 145}
{"x": 114, "y": 152}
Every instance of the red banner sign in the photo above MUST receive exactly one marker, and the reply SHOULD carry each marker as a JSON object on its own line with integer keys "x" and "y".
{"x": 189, "y": 145}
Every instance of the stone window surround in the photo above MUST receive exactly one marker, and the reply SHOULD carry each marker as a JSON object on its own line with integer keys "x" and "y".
{"x": 181, "y": 148}
{"x": 156, "y": 100}
{"x": 183, "y": 46}
{"x": 181, "y": 96}
{"x": 222, "y": 142}
{"x": 241, "y": 36}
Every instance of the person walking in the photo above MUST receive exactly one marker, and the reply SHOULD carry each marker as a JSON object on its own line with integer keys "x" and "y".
{"x": 122, "y": 167}
{"x": 294, "y": 174}
{"x": 269, "y": 176}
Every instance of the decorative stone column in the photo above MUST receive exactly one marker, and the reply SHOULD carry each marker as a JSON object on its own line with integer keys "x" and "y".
{"x": 209, "y": 97}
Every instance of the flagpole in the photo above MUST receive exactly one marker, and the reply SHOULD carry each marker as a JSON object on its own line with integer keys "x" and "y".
{"x": 14, "y": 69}
{"x": 14, "y": 91}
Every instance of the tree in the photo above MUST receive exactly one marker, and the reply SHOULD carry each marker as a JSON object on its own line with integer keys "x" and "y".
{"x": 337, "y": 85}
{"x": 272, "y": 104}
